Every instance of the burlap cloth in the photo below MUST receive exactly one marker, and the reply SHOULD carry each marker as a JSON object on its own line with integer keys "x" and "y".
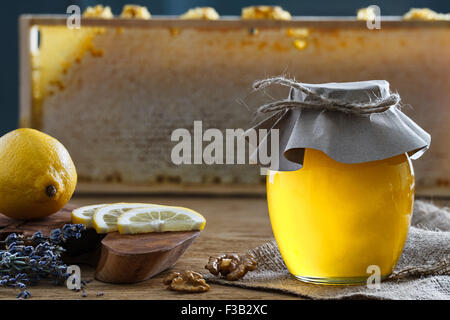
{"x": 423, "y": 271}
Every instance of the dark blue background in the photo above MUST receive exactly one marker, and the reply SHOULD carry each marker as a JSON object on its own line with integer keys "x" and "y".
{"x": 11, "y": 9}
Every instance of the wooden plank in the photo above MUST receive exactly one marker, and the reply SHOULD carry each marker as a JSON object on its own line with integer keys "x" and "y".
{"x": 433, "y": 192}
{"x": 213, "y": 190}
{"x": 234, "y": 22}
{"x": 232, "y": 225}
{"x": 232, "y": 190}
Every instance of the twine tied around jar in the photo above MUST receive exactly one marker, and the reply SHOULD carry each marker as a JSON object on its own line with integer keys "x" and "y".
{"x": 318, "y": 102}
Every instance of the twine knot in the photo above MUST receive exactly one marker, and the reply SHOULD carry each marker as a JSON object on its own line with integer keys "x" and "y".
{"x": 318, "y": 102}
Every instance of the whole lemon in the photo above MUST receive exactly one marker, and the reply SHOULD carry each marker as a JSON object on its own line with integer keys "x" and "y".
{"x": 37, "y": 175}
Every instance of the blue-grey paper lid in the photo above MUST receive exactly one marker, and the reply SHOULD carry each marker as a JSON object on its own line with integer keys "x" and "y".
{"x": 347, "y": 138}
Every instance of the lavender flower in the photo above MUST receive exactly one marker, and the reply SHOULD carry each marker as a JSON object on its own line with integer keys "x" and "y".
{"x": 21, "y": 265}
{"x": 11, "y": 238}
{"x": 72, "y": 231}
{"x": 24, "y": 294}
{"x": 37, "y": 238}
{"x": 56, "y": 236}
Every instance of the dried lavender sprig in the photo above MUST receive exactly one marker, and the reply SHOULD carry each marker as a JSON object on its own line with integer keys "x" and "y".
{"x": 22, "y": 264}
{"x": 57, "y": 236}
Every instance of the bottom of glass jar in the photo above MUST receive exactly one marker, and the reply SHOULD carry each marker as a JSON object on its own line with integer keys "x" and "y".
{"x": 336, "y": 281}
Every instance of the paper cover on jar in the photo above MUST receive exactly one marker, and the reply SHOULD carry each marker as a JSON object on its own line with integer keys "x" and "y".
{"x": 352, "y": 122}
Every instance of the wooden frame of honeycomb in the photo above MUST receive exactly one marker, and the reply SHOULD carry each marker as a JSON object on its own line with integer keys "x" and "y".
{"x": 115, "y": 102}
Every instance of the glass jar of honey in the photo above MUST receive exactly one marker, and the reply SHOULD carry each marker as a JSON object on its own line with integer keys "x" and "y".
{"x": 333, "y": 220}
{"x": 341, "y": 189}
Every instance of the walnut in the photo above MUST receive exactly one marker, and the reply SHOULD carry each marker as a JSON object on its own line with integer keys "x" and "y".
{"x": 131, "y": 11}
{"x": 366, "y": 14}
{"x": 265, "y": 12}
{"x": 231, "y": 266}
{"x": 186, "y": 281}
{"x": 98, "y": 12}
{"x": 425, "y": 14}
{"x": 205, "y": 13}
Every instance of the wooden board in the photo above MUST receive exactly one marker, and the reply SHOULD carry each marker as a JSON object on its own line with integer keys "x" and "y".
{"x": 134, "y": 258}
{"x": 28, "y": 228}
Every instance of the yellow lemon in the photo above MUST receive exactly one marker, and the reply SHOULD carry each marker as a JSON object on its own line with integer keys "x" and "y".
{"x": 37, "y": 175}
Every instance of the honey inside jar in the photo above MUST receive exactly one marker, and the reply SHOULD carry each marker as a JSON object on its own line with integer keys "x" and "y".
{"x": 333, "y": 220}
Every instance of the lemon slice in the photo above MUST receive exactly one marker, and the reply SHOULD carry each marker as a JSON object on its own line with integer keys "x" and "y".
{"x": 84, "y": 215}
{"x": 160, "y": 219}
{"x": 105, "y": 218}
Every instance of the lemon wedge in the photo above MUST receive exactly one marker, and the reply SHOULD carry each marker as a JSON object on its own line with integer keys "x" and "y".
{"x": 160, "y": 219}
{"x": 84, "y": 215}
{"x": 105, "y": 218}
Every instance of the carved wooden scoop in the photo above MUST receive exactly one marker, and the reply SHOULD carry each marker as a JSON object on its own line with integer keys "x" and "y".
{"x": 133, "y": 258}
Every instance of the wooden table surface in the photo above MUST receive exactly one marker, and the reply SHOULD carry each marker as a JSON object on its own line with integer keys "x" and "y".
{"x": 232, "y": 225}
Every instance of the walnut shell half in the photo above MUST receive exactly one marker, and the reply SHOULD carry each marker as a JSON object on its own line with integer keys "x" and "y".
{"x": 186, "y": 281}
{"x": 231, "y": 266}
